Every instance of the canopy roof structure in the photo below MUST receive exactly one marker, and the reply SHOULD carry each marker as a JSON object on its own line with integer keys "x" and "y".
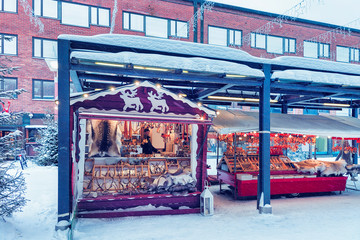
{"x": 230, "y": 121}
{"x": 210, "y": 74}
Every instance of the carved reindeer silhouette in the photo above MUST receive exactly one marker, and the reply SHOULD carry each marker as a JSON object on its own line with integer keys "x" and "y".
{"x": 157, "y": 102}
{"x": 130, "y": 100}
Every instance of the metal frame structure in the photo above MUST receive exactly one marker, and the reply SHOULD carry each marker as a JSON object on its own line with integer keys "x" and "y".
{"x": 265, "y": 93}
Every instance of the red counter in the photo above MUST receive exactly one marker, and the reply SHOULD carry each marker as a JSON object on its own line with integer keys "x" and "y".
{"x": 298, "y": 184}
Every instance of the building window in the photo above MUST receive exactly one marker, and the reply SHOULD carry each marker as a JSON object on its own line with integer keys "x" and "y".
{"x": 156, "y": 27}
{"x": 258, "y": 40}
{"x": 45, "y": 8}
{"x": 8, "y": 84}
{"x": 75, "y": 14}
{"x": 224, "y": 37}
{"x": 100, "y": 16}
{"x": 289, "y": 45}
{"x": 43, "y": 89}
{"x": 354, "y": 55}
{"x": 8, "y": 44}
{"x": 316, "y": 50}
{"x": 347, "y": 54}
{"x": 179, "y": 29}
{"x": 133, "y": 22}
{"x": 273, "y": 44}
{"x": 44, "y": 48}
{"x": 8, "y": 6}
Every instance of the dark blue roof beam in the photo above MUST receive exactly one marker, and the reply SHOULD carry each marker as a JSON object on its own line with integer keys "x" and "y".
{"x": 254, "y": 82}
{"x": 309, "y": 90}
{"x": 292, "y": 100}
{"x": 92, "y": 79}
{"x": 209, "y": 92}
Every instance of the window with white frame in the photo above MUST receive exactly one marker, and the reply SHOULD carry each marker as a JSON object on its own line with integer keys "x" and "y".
{"x": 44, "y": 48}
{"x": 8, "y": 44}
{"x": 316, "y": 50}
{"x": 224, "y": 37}
{"x": 217, "y": 36}
{"x": 289, "y": 45}
{"x": 8, "y": 6}
{"x": 179, "y": 29}
{"x": 354, "y": 55}
{"x": 100, "y": 16}
{"x": 258, "y": 40}
{"x": 235, "y": 37}
{"x": 156, "y": 27}
{"x": 133, "y": 22}
{"x": 342, "y": 54}
{"x": 273, "y": 44}
{"x": 43, "y": 89}
{"x": 75, "y": 14}
{"x": 46, "y": 8}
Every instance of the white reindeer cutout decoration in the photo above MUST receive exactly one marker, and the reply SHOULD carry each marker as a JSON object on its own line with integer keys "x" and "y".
{"x": 130, "y": 100}
{"x": 157, "y": 102}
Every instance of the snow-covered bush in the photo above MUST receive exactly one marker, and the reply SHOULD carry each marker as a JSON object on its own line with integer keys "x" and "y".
{"x": 48, "y": 143}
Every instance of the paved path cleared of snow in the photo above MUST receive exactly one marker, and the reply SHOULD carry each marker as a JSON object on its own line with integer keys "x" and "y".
{"x": 328, "y": 217}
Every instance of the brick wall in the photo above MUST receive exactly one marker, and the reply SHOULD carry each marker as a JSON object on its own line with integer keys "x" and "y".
{"x": 25, "y": 27}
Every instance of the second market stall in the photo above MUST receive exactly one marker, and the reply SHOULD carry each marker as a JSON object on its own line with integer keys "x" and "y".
{"x": 239, "y": 165}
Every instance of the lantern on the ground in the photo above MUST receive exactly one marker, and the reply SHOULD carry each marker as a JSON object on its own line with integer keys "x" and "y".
{"x": 206, "y": 202}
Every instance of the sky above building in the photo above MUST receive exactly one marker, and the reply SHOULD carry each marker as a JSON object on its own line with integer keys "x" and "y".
{"x": 338, "y": 12}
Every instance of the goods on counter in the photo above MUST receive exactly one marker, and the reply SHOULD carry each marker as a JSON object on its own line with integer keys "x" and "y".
{"x": 146, "y": 177}
{"x": 251, "y": 163}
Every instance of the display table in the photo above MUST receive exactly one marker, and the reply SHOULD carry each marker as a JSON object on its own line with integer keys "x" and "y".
{"x": 285, "y": 183}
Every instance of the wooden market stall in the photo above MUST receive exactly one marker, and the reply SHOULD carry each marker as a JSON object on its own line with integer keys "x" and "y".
{"x": 113, "y": 175}
{"x": 239, "y": 166}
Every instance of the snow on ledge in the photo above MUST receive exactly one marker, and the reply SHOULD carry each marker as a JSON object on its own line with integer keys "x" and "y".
{"x": 318, "y": 77}
{"x": 166, "y": 45}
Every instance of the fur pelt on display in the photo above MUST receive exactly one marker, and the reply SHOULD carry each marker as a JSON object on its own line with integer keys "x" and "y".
{"x": 322, "y": 168}
{"x": 104, "y": 138}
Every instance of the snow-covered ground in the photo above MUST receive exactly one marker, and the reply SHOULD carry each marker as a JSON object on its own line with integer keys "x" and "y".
{"x": 334, "y": 216}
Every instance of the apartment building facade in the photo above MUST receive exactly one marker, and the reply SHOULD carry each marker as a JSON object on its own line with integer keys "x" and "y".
{"x": 29, "y": 29}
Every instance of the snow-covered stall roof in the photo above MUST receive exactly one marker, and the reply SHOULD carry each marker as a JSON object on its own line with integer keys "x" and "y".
{"x": 230, "y": 121}
{"x": 318, "y": 77}
{"x": 211, "y": 51}
{"x": 143, "y": 100}
{"x": 165, "y": 45}
{"x": 316, "y": 64}
{"x": 195, "y": 64}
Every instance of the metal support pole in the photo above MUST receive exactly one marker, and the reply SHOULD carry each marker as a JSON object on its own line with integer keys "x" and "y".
{"x": 355, "y": 114}
{"x": 64, "y": 169}
{"x": 263, "y": 191}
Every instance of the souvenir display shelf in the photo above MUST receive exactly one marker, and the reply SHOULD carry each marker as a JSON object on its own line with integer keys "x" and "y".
{"x": 284, "y": 178}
